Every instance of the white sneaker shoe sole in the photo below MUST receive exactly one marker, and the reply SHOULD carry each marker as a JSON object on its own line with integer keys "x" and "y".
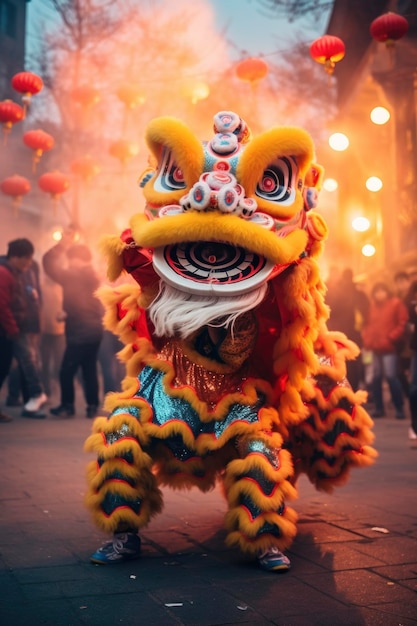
{"x": 34, "y": 404}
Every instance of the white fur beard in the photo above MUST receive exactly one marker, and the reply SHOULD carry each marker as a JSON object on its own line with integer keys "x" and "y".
{"x": 174, "y": 312}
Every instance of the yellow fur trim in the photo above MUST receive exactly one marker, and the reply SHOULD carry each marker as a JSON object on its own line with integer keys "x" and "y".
{"x": 112, "y": 248}
{"x": 213, "y": 225}
{"x": 97, "y": 443}
{"x": 280, "y": 494}
{"x": 124, "y": 516}
{"x": 240, "y": 467}
{"x": 282, "y": 491}
{"x": 97, "y": 476}
{"x": 128, "y": 297}
{"x": 326, "y": 477}
{"x": 243, "y": 531}
{"x": 295, "y": 359}
{"x": 184, "y": 481}
{"x": 187, "y": 152}
{"x": 200, "y": 472}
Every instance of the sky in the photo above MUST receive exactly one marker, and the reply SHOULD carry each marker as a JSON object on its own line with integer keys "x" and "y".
{"x": 254, "y": 30}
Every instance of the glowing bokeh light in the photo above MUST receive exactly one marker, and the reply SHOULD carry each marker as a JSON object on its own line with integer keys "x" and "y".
{"x": 195, "y": 90}
{"x": 200, "y": 91}
{"x": 380, "y": 115}
{"x": 338, "y": 142}
{"x": 373, "y": 183}
{"x": 330, "y": 184}
{"x": 368, "y": 250}
{"x": 57, "y": 235}
{"x": 361, "y": 224}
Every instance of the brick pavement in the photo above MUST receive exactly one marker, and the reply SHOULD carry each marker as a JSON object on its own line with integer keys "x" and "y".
{"x": 344, "y": 572}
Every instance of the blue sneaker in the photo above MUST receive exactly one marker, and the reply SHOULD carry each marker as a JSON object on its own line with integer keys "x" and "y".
{"x": 272, "y": 560}
{"x": 123, "y": 547}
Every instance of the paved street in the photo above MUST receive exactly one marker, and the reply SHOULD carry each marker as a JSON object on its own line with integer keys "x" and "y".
{"x": 354, "y": 561}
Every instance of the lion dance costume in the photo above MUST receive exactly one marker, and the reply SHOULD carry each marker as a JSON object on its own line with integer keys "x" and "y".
{"x": 232, "y": 374}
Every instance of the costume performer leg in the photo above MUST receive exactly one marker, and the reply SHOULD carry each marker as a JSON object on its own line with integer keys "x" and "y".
{"x": 123, "y": 493}
{"x": 257, "y": 486}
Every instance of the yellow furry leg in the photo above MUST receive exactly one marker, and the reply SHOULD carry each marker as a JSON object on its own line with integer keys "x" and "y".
{"x": 256, "y": 487}
{"x": 122, "y": 490}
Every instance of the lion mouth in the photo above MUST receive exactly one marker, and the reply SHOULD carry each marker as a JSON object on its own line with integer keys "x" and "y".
{"x": 211, "y": 267}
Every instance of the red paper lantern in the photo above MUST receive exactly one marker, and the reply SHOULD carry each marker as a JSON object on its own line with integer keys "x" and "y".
{"x": 16, "y": 187}
{"x": 85, "y": 167}
{"x": 123, "y": 150}
{"x": 10, "y": 113}
{"x": 39, "y": 142}
{"x": 388, "y": 28}
{"x": 252, "y": 70}
{"x": 131, "y": 95}
{"x": 55, "y": 183}
{"x": 328, "y": 50}
{"x": 28, "y": 84}
{"x": 86, "y": 96}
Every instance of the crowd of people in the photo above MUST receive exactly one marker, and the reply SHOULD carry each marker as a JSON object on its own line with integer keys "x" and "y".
{"x": 51, "y": 330}
{"x": 51, "y": 323}
{"x": 383, "y": 323}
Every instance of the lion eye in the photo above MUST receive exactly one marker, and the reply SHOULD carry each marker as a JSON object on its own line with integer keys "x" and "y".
{"x": 278, "y": 181}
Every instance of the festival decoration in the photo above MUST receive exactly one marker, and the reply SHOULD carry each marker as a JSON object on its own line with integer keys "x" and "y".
{"x": 15, "y": 186}
{"x": 131, "y": 95}
{"x": 388, "y": 28}
{"x": 85, "y": 167}
{"x": 231, "y": 372}
{"x": 10, "y": 114}
{"x": 252, "y": 70}
{"x": 123, "y": 150}
{"x": 55, "y": 183}
{"x": 28, "y": 84}
{"x": 328, "y": 50}
{"x": 86, "y": 96}
{"x": 39, "y": 141}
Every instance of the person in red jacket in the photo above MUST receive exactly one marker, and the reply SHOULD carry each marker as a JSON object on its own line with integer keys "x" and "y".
{"x": 12, "y": 303}
{"x": 384, "y": 329}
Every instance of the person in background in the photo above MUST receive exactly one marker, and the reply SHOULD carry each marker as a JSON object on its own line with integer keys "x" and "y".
{"x": 53, "y": 333}
{"x": 402, "y": 284}
{"x": 384, "y": 328}
{"x": 112, "y": 370}
{"x": 31, "y": 291}
{"x": 349, "y": 308}
{"x": 412, "y": 397}
{"x": 69, "y": 264}
{"x": 14, "y": 316}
